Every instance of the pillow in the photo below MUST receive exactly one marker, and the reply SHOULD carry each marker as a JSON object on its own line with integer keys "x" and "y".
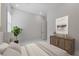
{"x": 11, "y": 52}
{"x": 15, "y": 46}
{"x": 3, "y": 46}
{"x": 0, "y": 55}
{"x": 1, "y": 37}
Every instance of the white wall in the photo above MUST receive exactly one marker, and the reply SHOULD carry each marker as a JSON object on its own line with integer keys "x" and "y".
{"x": 4, "y": 20}
{"x": 4, "y": 17}
{"x": 0, "y": 16}
{"x": 50, "y": 24}
{"x": 72, "y": 10}
{"x": 30, "y": 23}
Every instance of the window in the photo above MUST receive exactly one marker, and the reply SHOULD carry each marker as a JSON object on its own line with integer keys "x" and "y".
{"x": 9, "y": 22}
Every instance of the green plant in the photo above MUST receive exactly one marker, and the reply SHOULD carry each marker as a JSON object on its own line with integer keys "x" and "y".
{"x": 16, "y": 31}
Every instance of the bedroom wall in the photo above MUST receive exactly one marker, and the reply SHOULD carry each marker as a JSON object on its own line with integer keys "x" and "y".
{"x": 30, "y": 23}
{"x": 0, "y": 16}
{"x": 3, "y": 17}
{"x": 70, "y": 10}
{"x": 4, "y": 20}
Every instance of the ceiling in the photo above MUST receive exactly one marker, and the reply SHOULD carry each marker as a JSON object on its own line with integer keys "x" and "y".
{"x": 36, "y": 8}
{"x": 39, "y": 8}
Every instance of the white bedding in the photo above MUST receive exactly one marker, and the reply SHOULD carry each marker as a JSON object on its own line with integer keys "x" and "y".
{"x": 35, "y": 49}
{"x": 53, "y": 49}
{"x": 44, "y": 49}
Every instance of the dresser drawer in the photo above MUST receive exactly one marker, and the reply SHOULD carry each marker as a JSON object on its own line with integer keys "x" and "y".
{"x": 61, "y": 43}
{"x": 69, "y": 46}
{"x": 54, "y": 41}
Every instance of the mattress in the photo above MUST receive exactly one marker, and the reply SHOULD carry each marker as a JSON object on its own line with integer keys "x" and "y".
{"x": 42, "y": 49}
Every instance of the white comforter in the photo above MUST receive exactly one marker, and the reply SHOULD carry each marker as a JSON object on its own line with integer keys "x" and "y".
{"x": 42, "y": 49}
{"x": 33, "y": 49}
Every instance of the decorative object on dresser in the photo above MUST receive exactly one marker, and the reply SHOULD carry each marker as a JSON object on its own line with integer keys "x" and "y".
{"x": 65, "y": 43}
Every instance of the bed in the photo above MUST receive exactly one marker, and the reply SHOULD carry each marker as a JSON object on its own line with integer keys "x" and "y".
{"x": 43, "y": 49}
{"x": 34, "y": 49}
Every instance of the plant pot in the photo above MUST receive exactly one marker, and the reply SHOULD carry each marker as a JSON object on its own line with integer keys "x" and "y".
{"x": 16, "y": 41}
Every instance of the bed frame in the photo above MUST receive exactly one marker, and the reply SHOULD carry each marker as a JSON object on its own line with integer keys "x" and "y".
{"x": 67, "y": 44}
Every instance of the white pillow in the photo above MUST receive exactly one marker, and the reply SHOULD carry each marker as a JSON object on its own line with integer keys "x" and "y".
{"x": 1, "y": 37}
{"x": 11, "y": 52}
{"x": 15, "y": 46}
{"x": 0, "y": 55}
{"x": 3, "y": 46}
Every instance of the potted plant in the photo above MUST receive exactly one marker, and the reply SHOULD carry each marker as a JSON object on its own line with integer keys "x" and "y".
{"x": 16, "y": 31}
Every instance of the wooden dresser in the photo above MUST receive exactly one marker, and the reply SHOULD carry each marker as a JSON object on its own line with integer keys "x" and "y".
{"x": 67, "y": 44}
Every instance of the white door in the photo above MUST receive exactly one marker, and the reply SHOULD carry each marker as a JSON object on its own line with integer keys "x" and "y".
{"x": 44, "y": 28}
